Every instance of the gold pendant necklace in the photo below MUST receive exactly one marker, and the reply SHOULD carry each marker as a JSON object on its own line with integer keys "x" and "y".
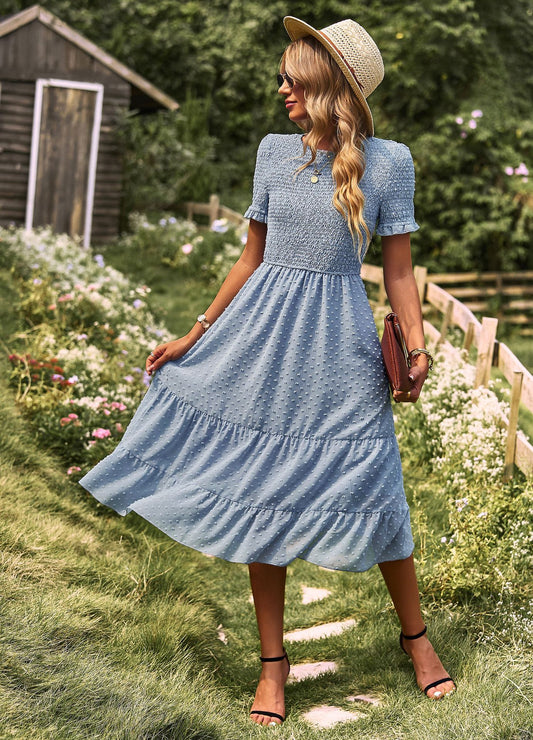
{"x": 316, "y": 171}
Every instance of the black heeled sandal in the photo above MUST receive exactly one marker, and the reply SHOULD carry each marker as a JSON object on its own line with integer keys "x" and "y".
{"x": 434, "y": 683}
{"x": 272, "y": 660}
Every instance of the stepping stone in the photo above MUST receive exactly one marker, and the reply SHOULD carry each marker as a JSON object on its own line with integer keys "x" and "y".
{"x": 326, "y": 716}
{"x": 310, "y": 594}
{"x": 366, "y": 699}
{"x": 319, "y": 631}
{"x": 303, "y": 671}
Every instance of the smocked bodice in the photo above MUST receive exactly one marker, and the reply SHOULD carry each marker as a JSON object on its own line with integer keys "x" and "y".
{"x": 304, "y": 228}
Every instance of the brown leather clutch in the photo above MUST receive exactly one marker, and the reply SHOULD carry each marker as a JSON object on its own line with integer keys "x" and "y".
{"x": 395, "y": 354}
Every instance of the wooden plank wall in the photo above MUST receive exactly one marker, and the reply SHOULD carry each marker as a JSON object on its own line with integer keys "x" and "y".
{"x": 16, "y": 116}
{"x": 35, "y": 51}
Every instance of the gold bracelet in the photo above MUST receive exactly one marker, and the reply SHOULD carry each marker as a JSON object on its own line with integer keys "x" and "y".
{"x": 413, "y": 354}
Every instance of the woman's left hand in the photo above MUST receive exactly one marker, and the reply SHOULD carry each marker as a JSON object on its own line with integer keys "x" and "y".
{"x": 417, "y": 374}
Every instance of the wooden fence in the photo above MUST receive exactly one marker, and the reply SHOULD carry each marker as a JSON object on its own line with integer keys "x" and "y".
{"x": 490, "y": 353}
{"x": 506, "y": 295}
{"x": 509, "y": 293}
{"x": 213, "y": 210}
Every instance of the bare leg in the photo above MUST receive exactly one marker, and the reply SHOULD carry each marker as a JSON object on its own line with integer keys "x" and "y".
{"x": 401, "y": 581}
{"x": 268, "y": 588}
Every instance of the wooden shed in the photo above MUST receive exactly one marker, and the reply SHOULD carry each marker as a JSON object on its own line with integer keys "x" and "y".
{"x": 60, "y": 99}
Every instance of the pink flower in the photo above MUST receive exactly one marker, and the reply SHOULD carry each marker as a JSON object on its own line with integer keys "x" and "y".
{"x": 73, "y": 416}
{"x": 509, "y": 171}
{"x": 119, "y": 427}
{"x": 64, "y": 421}
{"x": 459, "y": 120}
{"x": 477, "y": 113}
{"x": 472, "y": 124}
{"x": 187, "y": 248}
{"x": 106, "y": 411}
{"x": 66, "y": 297}
{"x": 522, "y": 170}
{"x": 73, "y": 469}
{"x": 91, "y": 442}
{"x": 52, "y": 307}
{"x": 100, "y": 433}
{"x": 118, "y": 405}
{"x": 463, "y": 134}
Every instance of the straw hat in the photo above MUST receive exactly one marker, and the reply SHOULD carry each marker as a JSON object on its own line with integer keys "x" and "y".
{"x": 353, "y": 49}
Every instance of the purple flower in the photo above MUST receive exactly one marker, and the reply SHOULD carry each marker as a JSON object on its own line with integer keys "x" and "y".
{"x": 477, "y": 113}
{"x": 172, "y": 220}
{"x": 35, "y": 266}
{"x": 37, "y": 281}
{"x": 56, "y": 378}
{"x": 162, "y": 222}
{"x": 98, "y": 258}
{"x": 129, "y": 378}
{"x": 220, "y": 225}
{"x": 73, "y": 379}
{"x": 472, "y": 124}
{"x": 137, "y": 303}
{"x": 463, "y": 134}
{"x": 146, "y": 378}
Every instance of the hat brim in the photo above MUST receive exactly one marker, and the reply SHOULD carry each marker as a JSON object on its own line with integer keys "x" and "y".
{"x": 297, "y": 29}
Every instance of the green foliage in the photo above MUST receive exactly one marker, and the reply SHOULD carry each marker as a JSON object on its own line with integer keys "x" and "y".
{"x": 168, "y": 158}
{"x": 473, "y": 215}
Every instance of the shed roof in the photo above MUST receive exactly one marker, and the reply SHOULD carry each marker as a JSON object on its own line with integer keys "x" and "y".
{"x": 38, "y": 13}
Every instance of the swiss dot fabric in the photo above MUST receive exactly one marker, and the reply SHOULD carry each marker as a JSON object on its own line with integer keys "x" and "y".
{"x": 273, "y": 437}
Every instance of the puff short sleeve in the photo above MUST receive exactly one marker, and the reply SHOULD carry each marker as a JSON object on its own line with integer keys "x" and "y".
{"x": 258, "y": 210}
{"x": 396, "y": 210}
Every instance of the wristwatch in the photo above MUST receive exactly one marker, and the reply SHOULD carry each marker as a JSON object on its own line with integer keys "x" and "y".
{"x": 202, "y": 319}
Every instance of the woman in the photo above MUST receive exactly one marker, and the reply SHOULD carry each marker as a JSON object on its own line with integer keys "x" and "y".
{"x": 269, "y": 436}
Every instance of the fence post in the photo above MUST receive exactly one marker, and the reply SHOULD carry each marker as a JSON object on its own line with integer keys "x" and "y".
{"x": 420, "y": 274}
{"x": 469, "y": 336}
{"x": 510, "y": 446}
{"x": 382, "y": 293}
{"x": 485, "y": 350}
{"x": 446, "y": 321}
{"x": 214, "y": 205}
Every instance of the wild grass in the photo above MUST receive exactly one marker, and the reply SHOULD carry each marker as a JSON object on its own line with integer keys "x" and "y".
{"x": 109, "y": 629}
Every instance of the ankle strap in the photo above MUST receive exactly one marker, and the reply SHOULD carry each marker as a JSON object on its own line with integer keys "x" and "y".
{"x": 273, "y": 660}
{"x": 414, "y": 637}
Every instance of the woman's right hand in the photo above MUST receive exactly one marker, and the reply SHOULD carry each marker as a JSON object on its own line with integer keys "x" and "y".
{"x": 165, "y": 352}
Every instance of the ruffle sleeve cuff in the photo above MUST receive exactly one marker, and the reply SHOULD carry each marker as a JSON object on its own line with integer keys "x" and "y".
{"x": 256, "y": 213}
{"x": 397, "y": 227}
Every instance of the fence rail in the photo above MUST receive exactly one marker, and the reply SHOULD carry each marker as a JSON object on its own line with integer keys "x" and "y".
{"x": 507, "y": 295}
{"x": 490, "y": 353}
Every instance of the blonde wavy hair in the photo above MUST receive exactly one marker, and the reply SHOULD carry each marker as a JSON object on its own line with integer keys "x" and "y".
{"x": 332, "y": 107}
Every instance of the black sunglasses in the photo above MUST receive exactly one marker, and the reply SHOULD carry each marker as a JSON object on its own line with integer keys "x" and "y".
{"x": 284, "y": 77}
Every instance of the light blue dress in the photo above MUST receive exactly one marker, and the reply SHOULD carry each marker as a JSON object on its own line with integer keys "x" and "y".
{"x": 273, "y": 437}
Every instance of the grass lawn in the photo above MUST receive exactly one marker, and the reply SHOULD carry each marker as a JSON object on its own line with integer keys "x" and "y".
{"x": 110, "y": 629}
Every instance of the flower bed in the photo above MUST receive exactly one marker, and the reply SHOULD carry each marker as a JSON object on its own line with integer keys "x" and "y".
{"x": 206, "y": 254}
{"x": 78, "y": 364}
{"x": 457, "y": 432}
